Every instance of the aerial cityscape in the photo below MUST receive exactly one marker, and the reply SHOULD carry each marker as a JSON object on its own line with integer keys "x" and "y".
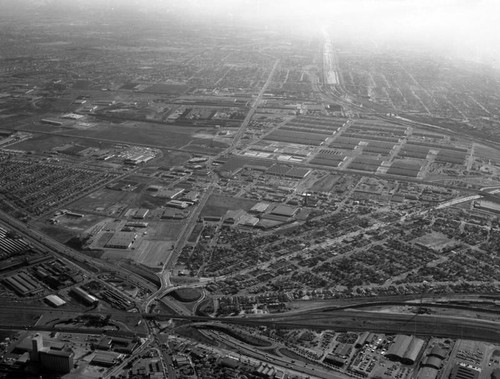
{"x": 249, "y": 189}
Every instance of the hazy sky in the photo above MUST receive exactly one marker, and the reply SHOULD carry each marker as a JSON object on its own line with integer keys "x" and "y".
{"x": 469, "y": 28}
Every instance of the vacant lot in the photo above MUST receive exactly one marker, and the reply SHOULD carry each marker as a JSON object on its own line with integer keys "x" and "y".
{"x": 105, "y": 201}
{"x": 434, "y": 240}
{"x": 153, "y": 253}
{"x": 138, "y": 133}
{"x": 218, "y": 205}
{"x": 44, "y": 142}
{"x": 165, "y": 230}
{"x": 325, "y": 184}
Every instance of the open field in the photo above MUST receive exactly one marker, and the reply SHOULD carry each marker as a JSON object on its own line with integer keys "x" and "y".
{"x": 43, "y": 142}
{"x": 139, "y": 133}
{"x": 171, "y": 159}
{"x": 218, "y": 205}
{"x": 59, "y": 234}
{"x": 105, "y": 201}
{"x": 152, "y": 253}
{"x": 165, "y": 230}
{"x": 487, "y": 153}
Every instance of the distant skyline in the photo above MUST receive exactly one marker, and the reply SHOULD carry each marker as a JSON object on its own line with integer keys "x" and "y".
{"x": 462, "y": 28}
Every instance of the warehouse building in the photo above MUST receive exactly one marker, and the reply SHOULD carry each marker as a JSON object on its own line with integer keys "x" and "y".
{"x": 430, "y": 361}
{"x": 23, "y": 284}
{"x": 83, "y": 296}
{"x": 486, "y": 205}
{"x": 105, "y": 358}
{"x": 54, "y": 301}
{"x": 285, "y": 211}
{"x": 121, "y": 240}
{"x": 54, "y": 360}
{"x": 177, "y": 204}
{"x": 411, "y": 354}
{"x": 405, "y": 349}
{"x": 461, "y": 371}
{"x": 259, "y": 208}
{"x": 438, "y": 352}
{"x": 141, "y": 213}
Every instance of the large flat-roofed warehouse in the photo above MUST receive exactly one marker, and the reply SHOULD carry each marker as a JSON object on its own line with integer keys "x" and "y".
{"x": 284, "y": 210}
{"x": 121, "y": 240}
{"x": 259, "y": 208}
{"x": 54, "y": 300}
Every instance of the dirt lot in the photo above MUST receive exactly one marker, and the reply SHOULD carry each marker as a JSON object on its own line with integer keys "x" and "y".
{"x": 325, "y": 184}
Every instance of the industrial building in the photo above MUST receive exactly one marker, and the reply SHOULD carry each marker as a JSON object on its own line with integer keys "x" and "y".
{"x": 405, "y": 349}
{"x": 438, "y": 352}
{"x": 105, "y": 358}
{"x": 259, "y": 208}
{"x": 177, "y": 204}
{"x": 462, "y": 371}
{"x": 121, "y": 240}
{"x": 141, "y": 213}
{"x": 54, "y": 360}
{"x": 136, "y": 224}
{"x": 284, "y": 210}
{"x": 434, "y": 359}
{"x": 117, "y": 344}
{"x": 138, "y": 159}
{"x": 54, "y": 300}
{"x": 334, "y": 360}
{"x": 23, "y": 284}
{"x": 364, "y": 338}
{"x": 10, "y": 245}
{"x": 191, "y": 196}
{"x": 430, "y": 361}
{"x": 50, "y": 122}
{"x": 83, "y": 296}
{"x": 486, "y": 205}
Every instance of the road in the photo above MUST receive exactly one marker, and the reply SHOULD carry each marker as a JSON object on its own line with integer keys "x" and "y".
{"x": 458, "y": 201}
{"x": 378, "y": 322}
{"x": 327, "y": 318}
{"x": 252, "y": 110}
{"x": 287, "y": 365}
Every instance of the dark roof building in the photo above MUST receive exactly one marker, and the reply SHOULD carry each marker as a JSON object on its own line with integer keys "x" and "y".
{"x": 439, "y": 352}
{"x": 431, "y": 361}
{"x": 464, "y": 372}
{"x": 283, "y": 210}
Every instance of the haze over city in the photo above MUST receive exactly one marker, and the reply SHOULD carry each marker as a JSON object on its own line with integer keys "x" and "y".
{"x": 249, "y": 189}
